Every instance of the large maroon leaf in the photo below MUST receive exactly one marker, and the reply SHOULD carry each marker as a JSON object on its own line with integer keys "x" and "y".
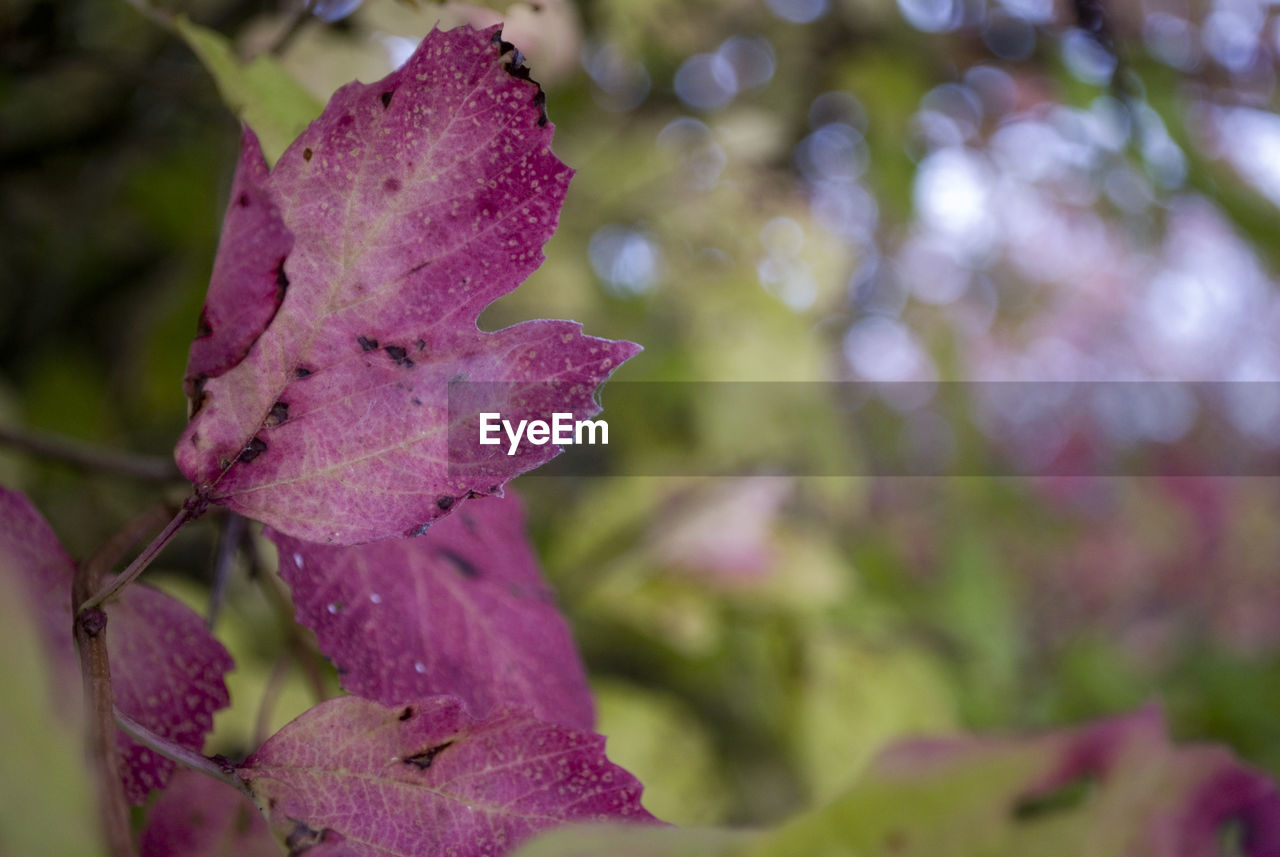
{"x": 427, "y": 779}
{"x": 413, "y": 203}
{"x": 166, "y": 669}
{"x": 248, "y": 281}
{"x": 462, "y": 611}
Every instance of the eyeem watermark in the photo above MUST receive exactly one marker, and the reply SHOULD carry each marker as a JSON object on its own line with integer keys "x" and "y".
{"x": 563, "y": 430}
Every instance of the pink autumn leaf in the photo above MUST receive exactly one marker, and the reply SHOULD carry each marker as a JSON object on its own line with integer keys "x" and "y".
{"x": 425, "y": 778}
{"x": 413, "y": 204}
{"x": 248, "y": 281}
{"x": 463, "y": 610}
{"x": 197, "y": 816}
{"x": 166, "y": 669}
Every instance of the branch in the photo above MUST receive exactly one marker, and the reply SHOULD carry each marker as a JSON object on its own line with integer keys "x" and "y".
{"x": 193, "y": 508}
{"x": 86, "y": 457}
{"x": 218, "y": 768}
{"x": 90, "y": 629}
{"x": 233, "y": 532}
{"x": 301, "y": 643}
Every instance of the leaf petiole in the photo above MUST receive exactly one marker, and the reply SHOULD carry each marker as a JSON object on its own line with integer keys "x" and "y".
{"x": 222, "y": 771}
{"x": 193, "y": 508}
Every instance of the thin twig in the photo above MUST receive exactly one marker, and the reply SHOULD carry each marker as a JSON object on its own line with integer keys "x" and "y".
{"x": 270, "y": 695}
{"x": 107, "y": 556}
{"x": 222, "y": 771}
{"x": 309, "y": 658}
{"x": 87, "y": 457}
{"x": 233, "y": 530}
{"x": 297, "y": 20}
{"x": 193, "y": 508}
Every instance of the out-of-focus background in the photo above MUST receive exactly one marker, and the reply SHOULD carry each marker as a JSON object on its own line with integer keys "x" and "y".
{"x": 920, "y": 191}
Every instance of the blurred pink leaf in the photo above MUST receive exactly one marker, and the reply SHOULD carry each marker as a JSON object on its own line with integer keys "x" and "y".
{"x": 166, "y": 669}
{"x": 413, "y": 203}
{"x": 197, "y": 816}
{"x": 462, "y": 610}
{"x": 426, "y": 779}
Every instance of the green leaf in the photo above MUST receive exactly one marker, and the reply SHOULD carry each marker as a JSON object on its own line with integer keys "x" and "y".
{"x": 659, "y": 740}
{"x": 45, "y": 802}
{"x": 261, "y": 92}
{"x": 636, "y": 841}
{"x": 1111, "y": 788}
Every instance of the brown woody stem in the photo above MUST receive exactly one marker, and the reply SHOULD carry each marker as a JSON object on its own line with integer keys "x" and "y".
{"x": 90, "y": 629}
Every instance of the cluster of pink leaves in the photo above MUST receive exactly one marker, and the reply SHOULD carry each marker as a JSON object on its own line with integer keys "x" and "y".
{"x": 343, "y": 303}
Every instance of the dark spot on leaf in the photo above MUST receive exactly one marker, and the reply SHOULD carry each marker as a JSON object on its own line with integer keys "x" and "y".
{"x": 416, "y": 268}
{"x": 446, "y": 502}
{"x": 282, "y": 280}
{"x": 416, "y": 400}
{"x": 301, "y": 372}
{"x": 243, "y": 200}
{"x": 279, "y": 413}
{"x": 406, "y": 714}
{"x": 203, "y": 328}
{"x": 420, "y": 530}
{"x": 386, "y": 98}
{"x": 92, "y": 622}
{"x": 255, "y": 448}
{"x": 422, "y": 343}
{"x": 463, "y": 565}
{"x": 399, "y": 355}
{"x": 367, "y": 344}
{"x": 391, "y": 185}
{"x": 423, "y": 760}
{"x": 306, "y": 154}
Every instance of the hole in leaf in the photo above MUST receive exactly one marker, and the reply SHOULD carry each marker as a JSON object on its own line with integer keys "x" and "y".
{"x": 423, "y": 760}
{"x": 256, "y": 447}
